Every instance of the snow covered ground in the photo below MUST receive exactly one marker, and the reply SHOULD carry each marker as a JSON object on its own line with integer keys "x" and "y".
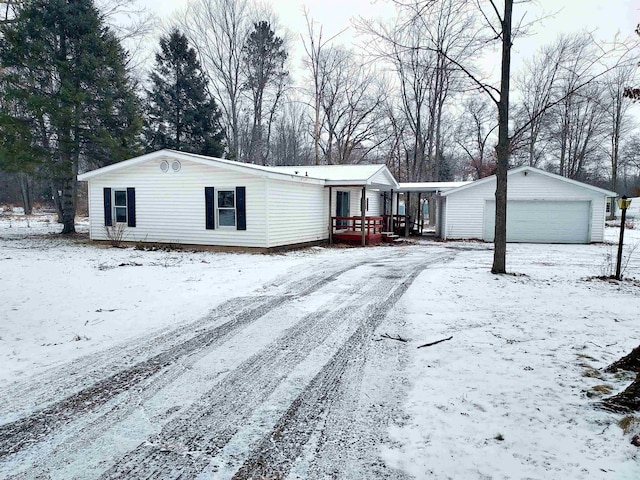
{"x": 511, "y": 395}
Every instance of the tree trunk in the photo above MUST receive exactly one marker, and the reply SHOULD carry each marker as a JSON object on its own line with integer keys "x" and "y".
{"x": 629, "y": 362}
{"x": 626, "y": 401}
{"x": 55, "y": 194}
{"x": 502, "y": 149}
{"x": 25, "y": 192}
{"x": 69, "y": 192}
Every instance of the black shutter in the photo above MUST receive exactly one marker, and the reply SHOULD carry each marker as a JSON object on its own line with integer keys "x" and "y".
{"x": 209, "y": 208}
{"x": 131, "y": 207}
{"x": 241, "y": 209}
{"x": 108, "y": 218}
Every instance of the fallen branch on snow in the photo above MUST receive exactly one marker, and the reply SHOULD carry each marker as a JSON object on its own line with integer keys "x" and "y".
{"x": 435, "y": 343}
{"x": 397, "y": 337}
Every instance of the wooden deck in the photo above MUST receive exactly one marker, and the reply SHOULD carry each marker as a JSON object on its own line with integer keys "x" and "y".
{"x": 349, "y": 230}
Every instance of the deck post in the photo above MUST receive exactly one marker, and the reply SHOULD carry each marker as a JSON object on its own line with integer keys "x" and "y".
{"x": 407, "y": 212}
{"x": 398, "y": 207}
{"x": 390, "y": 226}
{"x": 330, "y": 219}
{"x": 363, "y": 208}
{"x": 420, "y": 214}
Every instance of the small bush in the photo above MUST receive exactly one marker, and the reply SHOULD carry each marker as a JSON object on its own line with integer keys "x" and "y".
{"x": 116, "y": 234}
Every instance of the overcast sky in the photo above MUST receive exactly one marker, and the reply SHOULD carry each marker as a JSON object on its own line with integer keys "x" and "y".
{"x": 605, "y": 18}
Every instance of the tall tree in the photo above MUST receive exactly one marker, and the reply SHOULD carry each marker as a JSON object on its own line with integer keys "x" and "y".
{"x": 474, "y": 137}
{"x": 218, "y": 29}
{"x": 264, "y": 57}
{"x": 618, "y": 117}
{"x": 63, "y": 74}
{"x": 180, "y": 112}
{"x": 424, "y": 47}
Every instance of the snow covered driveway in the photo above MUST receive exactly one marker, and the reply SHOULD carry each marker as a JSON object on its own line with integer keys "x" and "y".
{"x": 118, "y": 363}
{"x": 265, "y": 385}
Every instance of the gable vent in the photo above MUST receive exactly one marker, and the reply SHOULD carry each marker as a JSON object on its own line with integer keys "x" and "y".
{"x": 164, "y": 166}
{"x": 175, "y": 166}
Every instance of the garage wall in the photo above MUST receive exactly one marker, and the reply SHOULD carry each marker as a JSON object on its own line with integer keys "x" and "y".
{"x": 464, "y": 215}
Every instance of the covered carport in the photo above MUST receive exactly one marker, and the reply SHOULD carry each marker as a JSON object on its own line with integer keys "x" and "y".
{"x": 416, "y": 197}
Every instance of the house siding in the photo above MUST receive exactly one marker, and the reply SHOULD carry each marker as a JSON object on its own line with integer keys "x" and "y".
{"x": 375, "y": 203}
{"x": 297, "y": 213}
{"x": 355, "y": 193}
{"x": 170, "y": 207}
{"x": 464, "y": 211}
{"x": 380, "y": 177}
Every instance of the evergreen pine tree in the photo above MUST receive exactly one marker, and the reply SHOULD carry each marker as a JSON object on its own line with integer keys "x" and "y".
{"x": 67, "y": 97}
{"x": 181, "y": 114}
{"x": 264, "y": 57}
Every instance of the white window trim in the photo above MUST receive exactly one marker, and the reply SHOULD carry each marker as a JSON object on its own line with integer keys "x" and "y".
{"x": 113, "y": 205}
{"x": 235, "y": 208}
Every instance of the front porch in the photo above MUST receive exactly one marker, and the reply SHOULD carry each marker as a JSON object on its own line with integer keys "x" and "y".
{"x": 349, "y": 230}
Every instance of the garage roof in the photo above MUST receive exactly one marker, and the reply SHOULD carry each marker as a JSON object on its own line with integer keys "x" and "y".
{"x": 526, "y": 169}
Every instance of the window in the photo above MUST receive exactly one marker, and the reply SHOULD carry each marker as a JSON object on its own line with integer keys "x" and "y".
{"x": 342, "y": 207}
{"x": 120, "y": 205}
{"x": 226, "y": 208}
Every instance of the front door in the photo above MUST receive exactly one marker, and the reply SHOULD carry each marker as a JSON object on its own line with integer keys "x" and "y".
{"x": 342, "y": 208}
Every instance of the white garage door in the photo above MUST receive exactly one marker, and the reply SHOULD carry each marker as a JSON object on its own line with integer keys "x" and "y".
{"x": 542, "y": 221}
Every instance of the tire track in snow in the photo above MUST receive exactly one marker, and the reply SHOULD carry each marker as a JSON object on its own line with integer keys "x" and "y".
{"x": 34, "y": 428}
{"x": 188, "y": 444}
{"x": 274, "y": 456}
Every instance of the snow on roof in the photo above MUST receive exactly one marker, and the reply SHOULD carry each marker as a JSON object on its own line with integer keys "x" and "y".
{"x": 429, "y": 186}
{"x": 330, "y": 174}
{"x": 333, "y": 174}
{"x": 527, "y": 168}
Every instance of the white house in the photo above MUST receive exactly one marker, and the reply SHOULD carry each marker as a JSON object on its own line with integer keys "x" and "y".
{"x": 174, "y": 197}
{"x": 541, "y": 208}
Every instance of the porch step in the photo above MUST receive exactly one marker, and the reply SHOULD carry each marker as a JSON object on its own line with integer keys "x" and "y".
{"x": 390, "y": 237}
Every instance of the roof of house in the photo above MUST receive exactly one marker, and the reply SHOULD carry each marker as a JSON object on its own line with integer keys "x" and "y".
{"x": 377, "y": 176}
{"x": 344, "y": 174}
{"x": 527, "y": 168}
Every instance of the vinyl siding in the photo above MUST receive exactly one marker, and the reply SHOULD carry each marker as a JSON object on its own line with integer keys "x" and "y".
{"x": 170, "y": 207}
{"x": 297, "y": 213}
{"x": 375, "y": 203}
{"x": 355, "y": 193}
{"x": 465, "y": 210}
{"x": 381, "y": 178}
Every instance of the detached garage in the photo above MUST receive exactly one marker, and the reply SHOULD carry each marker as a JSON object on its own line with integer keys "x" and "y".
{"x": 541, "y": 208}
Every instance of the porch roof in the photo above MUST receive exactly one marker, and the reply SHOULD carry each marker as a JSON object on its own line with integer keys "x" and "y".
{"x": 429, "y": 187}
{"x": 375, "y": 176}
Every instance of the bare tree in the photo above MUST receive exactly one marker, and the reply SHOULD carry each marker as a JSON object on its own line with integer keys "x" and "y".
{"x": 420, "y": 47}
{"x": 617, "y": 114}
{"x": 537, "y": 84}
{"x": 218, "y": 30}
{"x": 133, "y": 24}
{"x": 319, "y": 61}
{"x": 475, "y": 132}
{"x": 351, "y": 102}
{"x": 290, "y": 145}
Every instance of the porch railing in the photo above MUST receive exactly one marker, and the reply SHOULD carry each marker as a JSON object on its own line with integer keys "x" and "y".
{"x": 372, "y": 225}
